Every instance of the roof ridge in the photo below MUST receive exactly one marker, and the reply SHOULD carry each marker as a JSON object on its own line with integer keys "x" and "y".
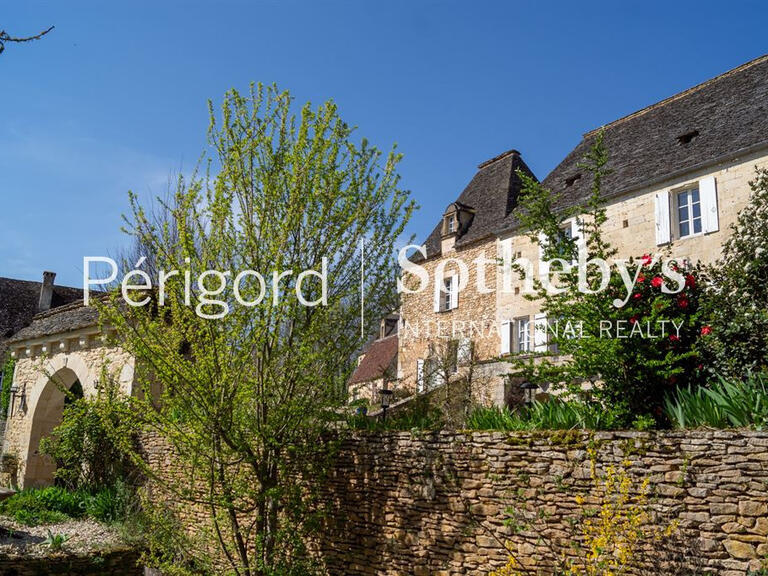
{"x": 696, "y": 88}
{"x": 490, "y": 161}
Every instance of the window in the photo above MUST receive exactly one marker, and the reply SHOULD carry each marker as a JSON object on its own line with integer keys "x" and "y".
{"x": 523, "y": 334}
{"x": 449, "y": 295}
{"x": 688, "y": 213}
{"x": 451, "y": 224}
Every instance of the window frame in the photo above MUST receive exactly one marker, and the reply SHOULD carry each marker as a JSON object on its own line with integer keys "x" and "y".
{"x": 678, "y": 222}
{"x": 523, "y": 345}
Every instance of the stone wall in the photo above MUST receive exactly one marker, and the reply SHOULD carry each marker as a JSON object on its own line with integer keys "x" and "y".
{"x": 440, "y": 503}
{"x": 437, "y": 504}
{"x": 119, "y": 562}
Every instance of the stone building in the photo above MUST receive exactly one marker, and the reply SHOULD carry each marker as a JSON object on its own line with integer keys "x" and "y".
{"x": 62, "y": 349}
{"x": 377, "y": 365}
{"x": 679, "y": 176}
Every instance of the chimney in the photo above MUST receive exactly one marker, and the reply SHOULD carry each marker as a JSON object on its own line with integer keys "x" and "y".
{"x": 46, "y": 292}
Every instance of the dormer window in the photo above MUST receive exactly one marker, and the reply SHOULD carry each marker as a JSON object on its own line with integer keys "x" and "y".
{"x": 456, "y": 219}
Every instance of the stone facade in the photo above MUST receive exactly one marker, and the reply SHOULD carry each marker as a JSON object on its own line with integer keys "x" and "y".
{"x": 42, "y": 368}
{"x": 437, "y": 503}
{"x": 631, "y": 228}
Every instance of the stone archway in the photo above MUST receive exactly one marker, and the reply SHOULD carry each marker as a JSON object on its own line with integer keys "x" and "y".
{"x": 46, "y": 414}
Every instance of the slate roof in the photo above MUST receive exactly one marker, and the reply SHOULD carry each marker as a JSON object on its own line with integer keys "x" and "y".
{"x": 19, "y": 300}
{"x": 723, "y": 118}
{"x": 380, "y": 356}
{"x": 492, "y": 194}
{"x": 58, "y": 321}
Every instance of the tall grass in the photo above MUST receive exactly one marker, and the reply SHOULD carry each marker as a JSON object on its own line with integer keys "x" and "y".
{"x": 552, "y": 415}
{"x": 724, "y": 404}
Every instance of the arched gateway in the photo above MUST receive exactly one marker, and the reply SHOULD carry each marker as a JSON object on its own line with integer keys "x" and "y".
{"x": 63, "y": 349}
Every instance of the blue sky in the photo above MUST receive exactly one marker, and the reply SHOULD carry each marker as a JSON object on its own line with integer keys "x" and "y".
{"x": 115, "y": 97}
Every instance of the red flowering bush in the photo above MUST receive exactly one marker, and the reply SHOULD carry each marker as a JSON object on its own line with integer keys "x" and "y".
{"x": 637, "y": 345}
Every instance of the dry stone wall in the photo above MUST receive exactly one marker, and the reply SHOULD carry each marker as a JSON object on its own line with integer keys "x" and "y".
{"x": 437, "y": 503}
{"x": 442, "y": 503}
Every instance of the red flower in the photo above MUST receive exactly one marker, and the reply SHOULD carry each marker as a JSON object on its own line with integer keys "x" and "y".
{"x": 647, "y": 259}
{"x": 641, "y": 278}
{"x": 637, "y": 295}
{"x": 656, "y": 282}
{"x": 690, "y": 281}
{"x": 682, "y": 302}
{"x": 674, "y": 338}
{"x": 633, "y": 320}
{"x": 706, "y": 330}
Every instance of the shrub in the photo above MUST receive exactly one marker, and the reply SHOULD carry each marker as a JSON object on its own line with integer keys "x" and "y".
{"x": 636, "y": 346}
{"x": 44, "y": 506}
{"x": 738, "y": 403}
{"x": 737, "y": 293}
{"x": 54, "y": 504}
{"x": 552, "y": 415}
{"x": 86, "y": 456}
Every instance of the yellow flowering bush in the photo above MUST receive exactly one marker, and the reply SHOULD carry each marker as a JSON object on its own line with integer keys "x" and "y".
{"x": 608, "y": 539}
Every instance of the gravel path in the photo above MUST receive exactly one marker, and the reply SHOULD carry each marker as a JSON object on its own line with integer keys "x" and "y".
{"x": 84, "y": 536}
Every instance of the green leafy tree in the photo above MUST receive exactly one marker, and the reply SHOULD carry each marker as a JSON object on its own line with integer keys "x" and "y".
{"x": 634, "y": 372}
{"x": 737, "y": 290}
{"x": 245, "y": 400}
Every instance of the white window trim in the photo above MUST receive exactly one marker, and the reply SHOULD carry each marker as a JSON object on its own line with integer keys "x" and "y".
{"x": 676, "y": 210}
{"x": 523, "y": 345}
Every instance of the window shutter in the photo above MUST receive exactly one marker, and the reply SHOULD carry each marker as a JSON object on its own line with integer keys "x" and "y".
{"x": 454, "y": 291}
{"x": 438, "y": 292}
{"x": 420, "y": 375}
{"x": 577, "y": 233}
{"x": 506, "y": 332}
{"x": 464, "y": 353}
{"x": 662, "y": 218}
{"x": 708, "y": 196}
{"x": 543, "y": 242}
{"x": 540, "y": 333}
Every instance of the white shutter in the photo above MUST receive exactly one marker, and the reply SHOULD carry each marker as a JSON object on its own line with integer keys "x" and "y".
{"x": 464, "y": 352}
{"x": 577, "y": 234}
{"x": 543, "y": 242}
{"x": 420, "y": 375}
{"x": 438, "y": 292}
{"x": 454, "y": 291}
{"x": 540, "y": 333}
{"x": 662, "y": 218}
{"x": 708, "y": 197}
{"x": 506, "y": 332}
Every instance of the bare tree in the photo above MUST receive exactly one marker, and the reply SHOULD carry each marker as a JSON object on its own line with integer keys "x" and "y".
{"x": 5, "y": 37}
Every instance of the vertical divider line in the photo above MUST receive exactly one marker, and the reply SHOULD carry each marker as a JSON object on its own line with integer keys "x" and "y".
{"x": 362, "y": 287}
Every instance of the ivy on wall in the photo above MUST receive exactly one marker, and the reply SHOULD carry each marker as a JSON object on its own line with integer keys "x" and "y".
{"x": 5, "y": 392}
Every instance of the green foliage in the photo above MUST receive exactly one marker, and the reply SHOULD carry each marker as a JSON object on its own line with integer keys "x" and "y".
{"x": 420, "y": 415}
{"x": 44, "y": 506}
{"x": 245, "y": 400}
{"x": 54, "y": 504}
{"x": 726, "y": 403}
{"x": 634, "y": 372}
{"x": 737, "y": 292}
{"x": 55, "y": 542}
{"x": 644, "y": 422}
{"x": 83, "y": 445}
{"x": 552, "y": 415}
{"x": 5, "y": 394}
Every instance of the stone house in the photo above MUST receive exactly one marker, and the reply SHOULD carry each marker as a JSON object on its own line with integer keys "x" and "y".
{"x": 377, "y": 365}
{"x": 679, "y": 176}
